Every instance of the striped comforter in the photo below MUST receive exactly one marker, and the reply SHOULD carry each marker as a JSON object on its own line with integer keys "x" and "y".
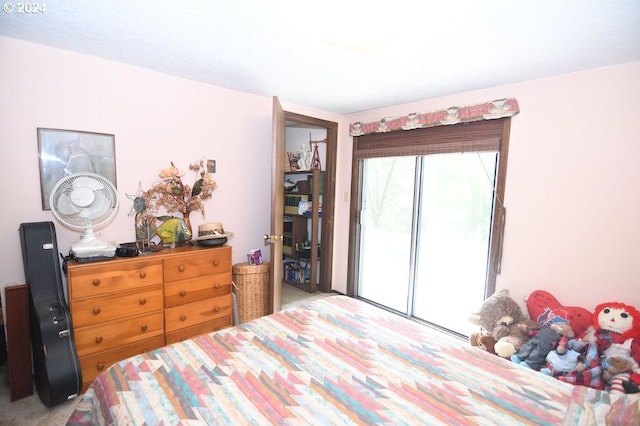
{"x": 335, "y": 361}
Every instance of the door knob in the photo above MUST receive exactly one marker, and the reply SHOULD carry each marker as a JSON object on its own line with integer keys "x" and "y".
{"x": 272, "y": 238}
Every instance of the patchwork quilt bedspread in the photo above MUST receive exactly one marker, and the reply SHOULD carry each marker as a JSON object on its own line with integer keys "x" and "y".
{"x": 336, "y": 361}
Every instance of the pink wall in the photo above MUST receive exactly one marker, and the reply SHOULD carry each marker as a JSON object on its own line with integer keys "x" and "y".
{"x": 573, "y": 184}
{"x": 156, "y": 118}
{"x": 572, "y": 207}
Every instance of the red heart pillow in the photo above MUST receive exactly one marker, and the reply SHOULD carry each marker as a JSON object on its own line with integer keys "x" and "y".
{"x": 545, "y": 309}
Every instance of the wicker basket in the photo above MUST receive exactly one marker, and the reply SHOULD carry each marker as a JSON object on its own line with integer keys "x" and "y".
{"x": 252, "y": 290}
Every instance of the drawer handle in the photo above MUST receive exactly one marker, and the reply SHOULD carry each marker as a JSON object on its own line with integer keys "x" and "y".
{"x": 216, "y": 263}
{"x": 143, "y": 301}
{"x": 216, "y": 286}
{"x": 144, "y": 328}
{"x": 183, "y": 317}
{"x": 143, "y": 274}
{"x": 183, "y": 293}
{"x": 96, "y": 310}
{"x": 216, "y": 309}
{"x": 99, "y": 339}
{"x": 100, "y": 366}
{"x": 181, "y": 268}
{"x": 95, "y": 282}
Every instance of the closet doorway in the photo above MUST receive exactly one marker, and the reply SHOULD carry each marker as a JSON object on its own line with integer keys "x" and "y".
{"x": 281, "y": 121}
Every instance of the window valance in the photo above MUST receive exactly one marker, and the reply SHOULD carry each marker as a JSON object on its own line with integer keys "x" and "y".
{"x": 453, "y": 115}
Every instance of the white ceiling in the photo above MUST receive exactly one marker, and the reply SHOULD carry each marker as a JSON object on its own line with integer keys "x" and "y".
{"x": 342, "y": 56}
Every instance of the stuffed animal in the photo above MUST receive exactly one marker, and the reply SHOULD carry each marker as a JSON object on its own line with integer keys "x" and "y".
{"x": 499, "y": 316}
{"x": 616, "y": 333}
{"x": 614, "y": 366}
{"x": 545, "y": 309}
{"x": 483, "y": 341}
{"x": 534, "y": 352}
{"x": 616, "y": 371}
{"x": 565, "y": 359}
{"x": 577, "y": 362}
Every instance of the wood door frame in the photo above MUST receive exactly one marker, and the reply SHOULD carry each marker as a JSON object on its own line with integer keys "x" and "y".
{"x": 328, "y": 200}
{"x": 328, "y": 197}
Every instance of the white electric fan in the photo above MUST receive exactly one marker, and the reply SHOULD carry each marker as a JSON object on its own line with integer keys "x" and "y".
{"x": 84, "y": 202}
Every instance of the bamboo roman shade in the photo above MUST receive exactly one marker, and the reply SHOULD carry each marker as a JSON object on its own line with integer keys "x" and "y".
{"x": 465, "y": 137}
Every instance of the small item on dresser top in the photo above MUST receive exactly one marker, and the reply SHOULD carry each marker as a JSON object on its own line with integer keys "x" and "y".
{"x": 127, "y": 250}
{"x": 87, "y": 259}
{"x": 173, "y": 230}
{"x": 254, "y": 257}
{"x": 211, "y": 234}
{"x": 86, "y": 202}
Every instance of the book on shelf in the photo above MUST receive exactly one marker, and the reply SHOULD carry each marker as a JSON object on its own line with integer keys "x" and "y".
{"x": 291, "y": 202}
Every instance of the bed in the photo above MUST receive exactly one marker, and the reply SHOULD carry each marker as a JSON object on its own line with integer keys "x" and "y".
{"x": 337, "y": 361}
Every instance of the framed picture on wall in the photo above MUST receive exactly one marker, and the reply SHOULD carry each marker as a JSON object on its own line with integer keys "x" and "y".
{"x": 291, "y": 165}
{"x": 65, "y": 152}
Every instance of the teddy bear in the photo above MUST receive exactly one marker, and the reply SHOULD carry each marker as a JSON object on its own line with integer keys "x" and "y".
{"x": 616, "y": 333}
{"x": 534, "y": 352}
{"x": 616, "y": 365}
{"x": 499, "y": 316}
{"x": 483, "y": 341}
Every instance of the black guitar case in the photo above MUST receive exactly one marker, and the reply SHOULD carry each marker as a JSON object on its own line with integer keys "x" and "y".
{"x": 55, "y": 361}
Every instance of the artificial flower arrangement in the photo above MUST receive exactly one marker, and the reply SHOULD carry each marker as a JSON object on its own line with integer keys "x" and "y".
{"x": 174, "y": 196}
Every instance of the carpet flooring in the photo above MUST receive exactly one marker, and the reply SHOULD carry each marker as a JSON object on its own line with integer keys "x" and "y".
{"x": 292, "y": 296}
{"x": 30, "y": 411}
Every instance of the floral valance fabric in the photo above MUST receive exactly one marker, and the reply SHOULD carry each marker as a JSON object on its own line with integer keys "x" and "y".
{"x": 453, "y": 115}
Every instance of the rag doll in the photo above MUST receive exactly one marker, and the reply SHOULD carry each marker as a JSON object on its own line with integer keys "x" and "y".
{"x": 616, "y": 333}
{"x": 534, "y": 352}
{"x": 577, "y": 362}
{"x": 565, "y": 359}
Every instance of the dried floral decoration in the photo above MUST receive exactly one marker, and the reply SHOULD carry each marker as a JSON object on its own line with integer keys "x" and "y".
{"x": 174, "y": 196}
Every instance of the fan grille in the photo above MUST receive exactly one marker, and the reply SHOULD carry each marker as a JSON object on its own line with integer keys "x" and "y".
{"x": 97, "y": 214}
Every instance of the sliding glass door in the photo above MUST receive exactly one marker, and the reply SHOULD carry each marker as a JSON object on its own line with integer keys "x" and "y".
{"x": 425, "y": 228}
{"x": 455, "y": 207}
{"x": 386, "y": 218}
{"x": 428, "y": 219}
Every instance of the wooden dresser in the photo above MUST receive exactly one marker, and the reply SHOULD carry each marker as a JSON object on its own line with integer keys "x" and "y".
{"x": 127, "y": 306}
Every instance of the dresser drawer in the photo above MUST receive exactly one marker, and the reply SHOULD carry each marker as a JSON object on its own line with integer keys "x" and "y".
{"x": 94, "y": 364}
{"x": 109, "y": 307}
{"x": 205, "y": 262}
{"x": 197, "y": 330}
{"x": 113, "y": 276}
{"x": 195, "y": 289}
{"x": 112, "y": 334}
{"x": 184, "y": 316}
